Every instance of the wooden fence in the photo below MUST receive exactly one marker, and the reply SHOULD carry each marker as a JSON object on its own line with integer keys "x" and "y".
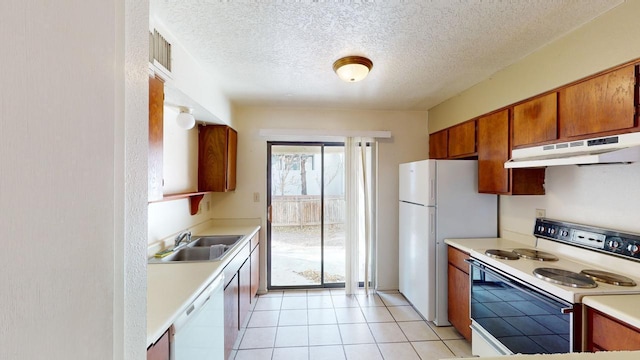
{"x": 305, "y": 210}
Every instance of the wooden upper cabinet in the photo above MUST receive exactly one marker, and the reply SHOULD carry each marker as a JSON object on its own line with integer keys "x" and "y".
{"x": 217, "y": 158}
{"x": 462, "y": 140}
{"x": 156, "y": 114}
{"x": 535, "y": 121}
{"x": 493, "y": 152}
{"x": 601, "y": 104}
{"x": 438, "y": 145}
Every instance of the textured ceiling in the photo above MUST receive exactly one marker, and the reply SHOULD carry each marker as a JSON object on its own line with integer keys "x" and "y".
{"x": 280, "y": 53}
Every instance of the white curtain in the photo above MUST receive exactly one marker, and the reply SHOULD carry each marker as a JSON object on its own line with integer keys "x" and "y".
{"x": 360, "y": 220}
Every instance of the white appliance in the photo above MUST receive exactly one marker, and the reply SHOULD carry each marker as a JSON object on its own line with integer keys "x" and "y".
{"x": 438, "y": 200}
{"x": 528, "y": 300}
{"x": 199, "y": 331}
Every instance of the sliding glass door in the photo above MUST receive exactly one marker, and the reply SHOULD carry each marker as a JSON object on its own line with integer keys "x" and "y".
{"x": 306, "y": 204}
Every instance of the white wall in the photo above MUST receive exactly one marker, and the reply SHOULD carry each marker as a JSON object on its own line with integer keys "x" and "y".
{"x": 605, "y": 195}
{"x": 73, "y": 108}
{"x": 409, "y": 143}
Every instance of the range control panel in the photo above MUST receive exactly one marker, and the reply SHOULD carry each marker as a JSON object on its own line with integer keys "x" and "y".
{"x": 605, "y": 240}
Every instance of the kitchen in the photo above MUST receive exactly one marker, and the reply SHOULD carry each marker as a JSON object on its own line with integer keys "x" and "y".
{"x": 605, "y": 42}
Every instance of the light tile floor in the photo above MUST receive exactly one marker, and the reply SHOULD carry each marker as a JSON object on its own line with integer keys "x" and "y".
{"x": 327, "y": 324}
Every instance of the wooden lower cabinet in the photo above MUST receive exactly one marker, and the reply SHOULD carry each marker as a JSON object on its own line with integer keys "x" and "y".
{"x": 161, "y": 349}
{"x": 459, "y": 292}
{"x": 244, "y": 292}
{"x": 605, "y": 333}
{"x": 239, "y": 292}
{"x": 231, "y": 320}
{"x": 255, "y": 271}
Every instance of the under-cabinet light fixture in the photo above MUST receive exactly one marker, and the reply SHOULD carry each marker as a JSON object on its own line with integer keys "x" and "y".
{"x": 185, "y": 118}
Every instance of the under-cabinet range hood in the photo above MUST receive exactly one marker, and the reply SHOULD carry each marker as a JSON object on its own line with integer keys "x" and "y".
{"x": 623, "y": 148}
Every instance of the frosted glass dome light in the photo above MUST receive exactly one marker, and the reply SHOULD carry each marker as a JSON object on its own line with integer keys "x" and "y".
{"x": 185, "y": 119}
{"x": 352, "y": 68}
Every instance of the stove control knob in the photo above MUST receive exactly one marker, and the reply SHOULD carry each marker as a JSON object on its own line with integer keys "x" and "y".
{"x": 633, "y": 248}
{"x": 614, "y": 244}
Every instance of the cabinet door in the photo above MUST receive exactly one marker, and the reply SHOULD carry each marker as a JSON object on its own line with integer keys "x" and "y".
{"x": 462, "y": 140}
{"x": 231, "y": 325}
{"x": 217, "y": 150}
{"x": 493, "y": 152}
{"x": 244, "y": 291}
{"x": 458, "y": 301}
{"x": 536, "y": 121}
{"x": 156, "y": 113}
{"x": 601, "y": 104}
{"x": 608, "y": 334}
{"x": 159, "y": 350}
{"x": 255, "y": 272}
{"x": 438, "y": 145}
{"x": 232, "y": 155}
{"x": 459, "y": 292}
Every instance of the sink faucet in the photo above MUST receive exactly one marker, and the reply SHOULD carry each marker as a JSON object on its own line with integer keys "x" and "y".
{"x": 181, "y": 236}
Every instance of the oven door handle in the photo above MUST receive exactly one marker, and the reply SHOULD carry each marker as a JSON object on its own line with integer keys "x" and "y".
{"x": 519, "y": 284}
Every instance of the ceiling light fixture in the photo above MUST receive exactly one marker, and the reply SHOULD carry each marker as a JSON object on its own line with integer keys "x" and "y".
{"x": 185, "y": 119}
{"x": 352, "y": 68}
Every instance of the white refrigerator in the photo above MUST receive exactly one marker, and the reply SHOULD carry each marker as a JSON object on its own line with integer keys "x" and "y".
{"x": 439, "y": 199}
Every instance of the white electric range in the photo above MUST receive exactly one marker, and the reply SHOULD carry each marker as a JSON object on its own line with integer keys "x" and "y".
{"x": 528, "y": 299}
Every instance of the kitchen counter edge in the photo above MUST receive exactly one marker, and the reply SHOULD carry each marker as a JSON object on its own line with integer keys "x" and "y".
{"x": 172, "y": 287}
{"x": 621, "y": 307}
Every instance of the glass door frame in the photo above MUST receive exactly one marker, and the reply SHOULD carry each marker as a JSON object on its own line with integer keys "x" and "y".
{"x": 322, "y": 145}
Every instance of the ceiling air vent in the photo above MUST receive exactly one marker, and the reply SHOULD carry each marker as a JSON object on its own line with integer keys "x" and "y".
{"x": 159, "y": 50}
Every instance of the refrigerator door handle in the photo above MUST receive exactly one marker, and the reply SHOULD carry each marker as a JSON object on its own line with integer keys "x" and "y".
{"x": 432, "y": 193}
{"x": 432, "y": 222}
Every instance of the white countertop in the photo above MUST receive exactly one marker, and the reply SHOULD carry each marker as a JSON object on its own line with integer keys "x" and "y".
{"x": 622, "y": 307}
{"x": 172, "y": 287}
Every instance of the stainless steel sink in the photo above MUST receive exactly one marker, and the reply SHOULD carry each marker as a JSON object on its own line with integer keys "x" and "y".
{"x": 229, "y": 240}
{"x": 188, "y": 254}
{"x": 204, "y": 248}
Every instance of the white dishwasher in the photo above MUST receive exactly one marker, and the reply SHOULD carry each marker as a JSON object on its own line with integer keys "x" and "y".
{"x": 199, "y": 330}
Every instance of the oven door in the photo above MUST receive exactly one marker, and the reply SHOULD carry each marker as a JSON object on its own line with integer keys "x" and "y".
{"x": 511, "y": 317}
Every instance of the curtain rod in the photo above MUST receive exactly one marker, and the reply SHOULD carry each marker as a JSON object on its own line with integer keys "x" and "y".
{"x": 321, "y": 134}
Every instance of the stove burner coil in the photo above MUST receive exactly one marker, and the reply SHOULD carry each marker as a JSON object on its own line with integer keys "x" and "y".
{"x": 535, "y": 255}
{"x": 502, "y": 254}
{"x": 608, "y": 277}
{"x": 564, "y": 277}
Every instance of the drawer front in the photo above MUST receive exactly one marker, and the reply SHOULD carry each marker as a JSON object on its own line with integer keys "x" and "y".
{"x": 457, "y": 257}
{"x": 232, "y": 268}
{"x": 255, "y": 240}
{"x": 610, "y": 334}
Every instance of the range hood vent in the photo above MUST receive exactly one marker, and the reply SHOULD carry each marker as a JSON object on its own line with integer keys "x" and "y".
{"x": 623, "y": 148}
